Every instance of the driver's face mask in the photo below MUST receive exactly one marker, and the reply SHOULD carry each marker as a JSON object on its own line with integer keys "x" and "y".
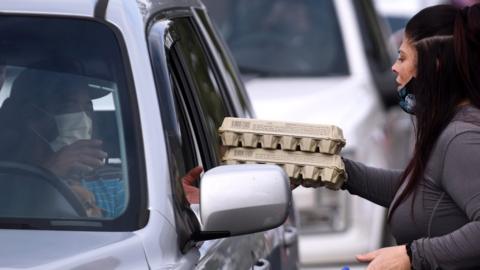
{"x": 71, "y": 128}
{"x": 407, "y": 98}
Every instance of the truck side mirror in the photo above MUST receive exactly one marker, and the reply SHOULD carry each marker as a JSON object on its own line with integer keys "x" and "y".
{"x": 242, "y": 199}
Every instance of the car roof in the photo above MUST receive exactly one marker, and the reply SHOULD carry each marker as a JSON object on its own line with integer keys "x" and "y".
{"x": 93, "y": 8}
{"x": 149, "y": 7}
{"x": 166, "y": 4}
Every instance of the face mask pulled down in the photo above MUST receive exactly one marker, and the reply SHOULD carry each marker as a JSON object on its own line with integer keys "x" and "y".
{"x": 406, "y": 97}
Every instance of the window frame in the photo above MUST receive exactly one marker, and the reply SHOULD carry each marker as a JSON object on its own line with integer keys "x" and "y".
{"x": 225, "y": 59}
{"x": 191, "y": 96}
{"x": 379, "y": 60}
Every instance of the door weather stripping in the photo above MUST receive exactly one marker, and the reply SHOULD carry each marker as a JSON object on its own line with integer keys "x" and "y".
{"x": 100, "y": 9}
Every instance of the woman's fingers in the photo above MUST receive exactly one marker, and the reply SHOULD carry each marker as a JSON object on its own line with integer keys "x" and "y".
{"x": 367, "y": 257}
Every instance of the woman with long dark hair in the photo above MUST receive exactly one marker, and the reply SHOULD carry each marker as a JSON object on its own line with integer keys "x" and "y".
{"x": 434, "y": 204}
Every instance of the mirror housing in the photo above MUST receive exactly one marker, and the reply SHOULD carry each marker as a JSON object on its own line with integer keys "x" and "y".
{"x": 242, "y": 199}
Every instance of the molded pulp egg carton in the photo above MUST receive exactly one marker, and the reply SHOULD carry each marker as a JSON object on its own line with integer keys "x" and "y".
{"x": 284, "y": 135}
{"x": 308, "y": 153}
{"x": 308, "y": 169}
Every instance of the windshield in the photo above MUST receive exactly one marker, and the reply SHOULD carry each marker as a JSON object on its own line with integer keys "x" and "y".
{"x": 282, "y": 37}
{"x": 62, "y": 148}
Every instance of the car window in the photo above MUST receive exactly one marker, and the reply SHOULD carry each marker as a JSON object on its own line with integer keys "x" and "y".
{"x": 192, "y": 107}
{"x": 373, "y": 36}
{"x": 379, "y": 52}
{"x": 63, "y": 149}
{"x": 282, "y": 38}
{"x": 396, "y": 23}
{"x": 234, "y": 85}
{"x": 201, "y": 89}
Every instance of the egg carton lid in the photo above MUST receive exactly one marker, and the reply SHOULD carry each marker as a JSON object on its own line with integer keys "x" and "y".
{"x": 289, "y": 143}
{"x": 279, "y": 128}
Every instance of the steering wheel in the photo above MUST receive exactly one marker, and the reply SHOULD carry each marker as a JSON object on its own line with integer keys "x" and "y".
{"x": 41, "y": 174}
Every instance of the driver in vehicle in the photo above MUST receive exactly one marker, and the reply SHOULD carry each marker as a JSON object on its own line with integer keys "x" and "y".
{"x": 48, "y": 122}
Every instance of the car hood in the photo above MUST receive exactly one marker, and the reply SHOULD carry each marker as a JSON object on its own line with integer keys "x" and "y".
{"x": 28, "y": 249}
{"x": 342, "y": 101}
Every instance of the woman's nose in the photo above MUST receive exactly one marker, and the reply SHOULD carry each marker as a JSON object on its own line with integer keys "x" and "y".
{"x": 394, "y": 69}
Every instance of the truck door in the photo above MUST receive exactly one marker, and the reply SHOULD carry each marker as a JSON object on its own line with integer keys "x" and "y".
{"x": 200, "y": 107}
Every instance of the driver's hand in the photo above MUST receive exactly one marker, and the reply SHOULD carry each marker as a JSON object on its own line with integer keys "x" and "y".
{"x": 87, "y": 199}
{"x": 77, "y": 160}
{"x": 191, "y": 191}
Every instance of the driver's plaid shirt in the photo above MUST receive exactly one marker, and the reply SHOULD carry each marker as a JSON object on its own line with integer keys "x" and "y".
{"x": 109, "y": 195}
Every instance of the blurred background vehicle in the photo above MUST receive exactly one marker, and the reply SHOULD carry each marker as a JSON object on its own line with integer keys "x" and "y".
{"x": 323, "y": 62}
{"x": 397, "y": 13}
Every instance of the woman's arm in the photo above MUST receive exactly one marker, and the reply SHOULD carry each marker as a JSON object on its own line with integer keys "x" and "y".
{"x": 376, "y": 185}
{"x": 459, "y": 249}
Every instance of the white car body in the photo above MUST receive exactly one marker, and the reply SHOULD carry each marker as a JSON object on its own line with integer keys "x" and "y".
{"x": 406, "y": 8}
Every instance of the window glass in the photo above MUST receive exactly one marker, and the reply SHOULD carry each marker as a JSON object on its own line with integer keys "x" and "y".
{"x": 282, "y": 37}
{"x": 181, "y": 151}
{"x": 192, "y": 107}
{"x": 204, "y": 93}
{"x": 62, "y": 149}
{"x": 232, "y": 79}
{"x": 396, "y": 23}
{"x": 372, "y": 36}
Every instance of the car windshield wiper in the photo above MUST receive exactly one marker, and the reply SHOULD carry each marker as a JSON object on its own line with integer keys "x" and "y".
{"x": 20, "y": 225}
{"x": 48, "y": 224}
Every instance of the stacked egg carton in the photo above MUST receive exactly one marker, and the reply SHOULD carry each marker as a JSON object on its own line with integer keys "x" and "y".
{"x": 308, "y": 153}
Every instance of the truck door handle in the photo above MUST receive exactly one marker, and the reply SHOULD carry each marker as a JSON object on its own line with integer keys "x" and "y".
{"x": 290, "y": 235}
{"x": 261, "y": 264}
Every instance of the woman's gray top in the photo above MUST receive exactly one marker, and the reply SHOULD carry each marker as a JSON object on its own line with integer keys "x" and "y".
{"x": 445, "y": 228}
